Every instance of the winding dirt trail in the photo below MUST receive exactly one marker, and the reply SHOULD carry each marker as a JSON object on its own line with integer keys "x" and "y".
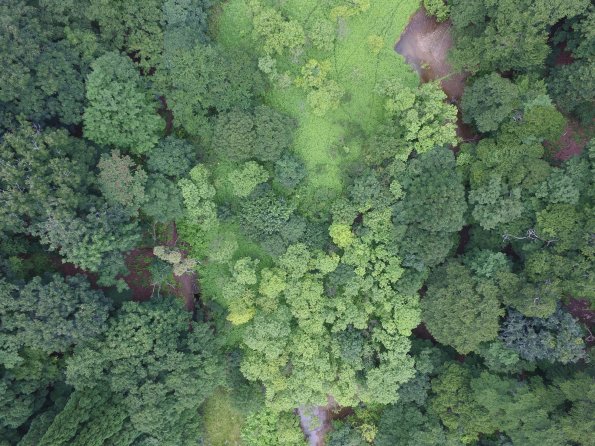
{"x": 425, "y": 44}
{"x": 315, "y": 422}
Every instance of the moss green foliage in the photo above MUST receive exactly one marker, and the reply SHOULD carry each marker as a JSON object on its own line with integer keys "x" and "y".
{"x": 437, "y": 8}
{"x": 299, "y": 39}
{"x": 342, "y": 242}
{"x": 172, "y": 157}
{"x": 266, "y": 428}
{"x": 135, "y": 374}
{"x": 222, "y": 420}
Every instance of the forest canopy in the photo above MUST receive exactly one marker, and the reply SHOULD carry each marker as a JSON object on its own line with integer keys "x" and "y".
{"x": 253, "y": 222}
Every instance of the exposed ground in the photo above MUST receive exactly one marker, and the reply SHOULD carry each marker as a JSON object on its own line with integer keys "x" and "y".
{"x": 571, "y": 143}
{"x": 139, "y": 277}
{"x": 425, "y": 44}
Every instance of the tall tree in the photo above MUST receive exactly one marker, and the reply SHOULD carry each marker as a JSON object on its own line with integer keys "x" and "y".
{"x": 121, "y": 112}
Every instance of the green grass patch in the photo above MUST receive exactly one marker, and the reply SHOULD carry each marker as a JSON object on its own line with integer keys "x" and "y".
{"x": 223, "y": 421}
{"x": 363, "y": 56}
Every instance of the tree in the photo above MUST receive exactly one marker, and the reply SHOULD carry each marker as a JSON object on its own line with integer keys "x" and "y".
{"x": 425, "y": 118}
{"x": 40, "y": 173}
{"x": 120, "y": 112}
{"x": 225, "y": 80}
{"x": 93, "y": 242}
{"x": 164, "y": 202}
{"x": 557, "y": 338}
{"x": 489, "y": 101}
{"x": 133, "y": 28}
{"x": 437, "y": 8}
{"x": 459, "y": 309}
{"x": 121, "y": 181}
{"x": 198, "y": 194}
{"x": 50, "y": 317}
{"x": 42, "y": 321}
{"x": 263, "y": 134}
{"x": 277, "y": 33}
{"x": 172, "y": 157}
{"x": 244, "y": 180}
{"x": 506, "y": 35}
{"x": 573, "y": 89}
{"x": 289, "y": 172}
{"x": 44, "y": 71}
{"x": 408, "y": 425}
{"x": 454, "y": 404}
{"x": 145, "y": 379}
{"x": 268, "y": 428}
{"x": 432, "y": 208}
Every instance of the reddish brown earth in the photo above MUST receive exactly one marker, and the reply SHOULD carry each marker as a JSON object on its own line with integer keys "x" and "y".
{"x": 581, "y": 309}
{"x": 321, "y": 417}
{"x": 186, "y": 284}
{"x": 563, "y": 57}
{"x": 139, "y": 277}
{"x": 571, "y": 143}
{"x": 68, "y": 269}
{"x": 166, "y": 114}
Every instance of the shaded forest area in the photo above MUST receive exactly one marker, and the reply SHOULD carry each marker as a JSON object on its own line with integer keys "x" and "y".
{"x": 252, "y": 222}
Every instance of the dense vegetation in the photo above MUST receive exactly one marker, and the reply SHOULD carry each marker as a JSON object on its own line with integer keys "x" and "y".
{"x": 350, "y": 250}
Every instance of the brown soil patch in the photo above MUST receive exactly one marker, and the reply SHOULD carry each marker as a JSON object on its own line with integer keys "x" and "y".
{"x": 422, "y": 332}
{"x": 186, "y": 284}
{"x": 425, "y": 44}
{"x": 581, "y": 309}
{"x": 166, "y": 114}
{"x": 563, "y": 57}
{"x": 139, "y": 276}
{"x": 571, "y": 143}
{"x": 69, "y": 269}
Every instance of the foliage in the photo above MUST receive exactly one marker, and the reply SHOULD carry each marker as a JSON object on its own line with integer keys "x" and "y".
{"x": 163, "y": 200}
{"x": 263, "y": 134}
{"x": 506, "y": 35}
{"x": 320, "y": 195}
{"x": 120, "y": 110}
{"x": 172, "y": 157}
{"x": 459, "y": 309}
{"x": 423, "y": 114}
{"x": 267, "y": 428}
{"x": 147, "y": 378}
{"x": 245, "y": 180}
{"x": 489, "y": 101}
{"x": 437, "y": 8}
{"x": 573, "y": 89}
{"x": 50, "y": 317}
{"x": 180, "y": 264}
{"x": 41, "y": 173}
{"x": 198, "y": 193}
{"x": 557, "y": 338}
{"x": 223, "y": 82}
{"x": 121, "y": 181}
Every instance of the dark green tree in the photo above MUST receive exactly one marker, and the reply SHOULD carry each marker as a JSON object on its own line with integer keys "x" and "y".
{"x": 121, "y": 112}
{"x": 145, "y": 380}
{"x": 460, "y": 309}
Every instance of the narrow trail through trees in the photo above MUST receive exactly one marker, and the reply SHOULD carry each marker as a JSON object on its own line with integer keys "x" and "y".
{"x": 425, "y": 44}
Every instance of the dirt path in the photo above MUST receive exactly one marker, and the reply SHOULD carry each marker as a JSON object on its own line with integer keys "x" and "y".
{"x": 425, "y": 44}
{"x": 315, "y": 422}
{"x": 186, "y": 284}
